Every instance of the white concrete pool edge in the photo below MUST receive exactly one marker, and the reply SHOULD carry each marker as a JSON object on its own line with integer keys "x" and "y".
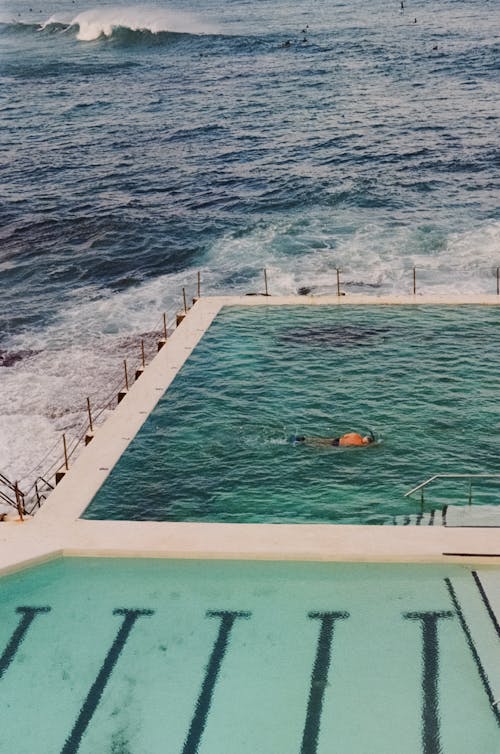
{"x": 58, "y": 530}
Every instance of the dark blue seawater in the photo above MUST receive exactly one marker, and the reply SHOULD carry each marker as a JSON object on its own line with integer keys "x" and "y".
{"x": 142, "y": 144}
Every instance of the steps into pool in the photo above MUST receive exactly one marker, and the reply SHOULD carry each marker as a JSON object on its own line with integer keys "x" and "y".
{"x": 453, "y": 515}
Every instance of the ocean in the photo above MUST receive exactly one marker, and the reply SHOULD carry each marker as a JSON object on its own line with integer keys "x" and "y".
{"x": 144, "y": 144}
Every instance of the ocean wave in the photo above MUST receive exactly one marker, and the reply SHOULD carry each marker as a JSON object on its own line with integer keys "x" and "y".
{"x": 14, "y": 26}
{"x": 109, "y": 22}
{"x": 131, "y": 24}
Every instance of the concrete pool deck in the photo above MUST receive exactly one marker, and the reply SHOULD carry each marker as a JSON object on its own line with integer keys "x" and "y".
{"x": 57, "y": 528}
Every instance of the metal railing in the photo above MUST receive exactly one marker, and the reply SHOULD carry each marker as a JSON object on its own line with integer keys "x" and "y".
{"x": 25, "y": 502}
{"x": 416, "y": 280}
{"x": 31, "y": 497}
{"x": 423, "y": 485}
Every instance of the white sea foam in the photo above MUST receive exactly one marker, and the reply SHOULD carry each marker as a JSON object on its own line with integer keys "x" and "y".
{"x": 373, "y": 256}
{"x": 58, "y": 19}
{"x": 102, "y": 22}
{"x": 80, "y": 354}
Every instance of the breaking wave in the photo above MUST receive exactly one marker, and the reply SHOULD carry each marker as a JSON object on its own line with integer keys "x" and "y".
{"x": 115, "y": 22}
{"x": 105, "y": 22}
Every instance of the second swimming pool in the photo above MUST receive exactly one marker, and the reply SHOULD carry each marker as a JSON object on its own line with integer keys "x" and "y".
{"x": 217, "y": 447}
{"x": 196, "y": 657}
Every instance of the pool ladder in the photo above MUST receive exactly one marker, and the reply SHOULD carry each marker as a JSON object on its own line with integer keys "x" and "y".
{"x": 423, "y": 485}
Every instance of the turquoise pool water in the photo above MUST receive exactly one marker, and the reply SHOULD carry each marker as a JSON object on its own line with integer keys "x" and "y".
{"x": 216, "y": 448}
{"x": 171, "y": 657}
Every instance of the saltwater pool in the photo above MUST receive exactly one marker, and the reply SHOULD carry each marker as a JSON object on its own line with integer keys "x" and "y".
{"x": 178, "y": 657}
{"x": 216, "y": 448}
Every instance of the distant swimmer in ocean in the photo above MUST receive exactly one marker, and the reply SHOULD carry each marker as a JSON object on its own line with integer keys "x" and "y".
{"x": 349, "y": 440}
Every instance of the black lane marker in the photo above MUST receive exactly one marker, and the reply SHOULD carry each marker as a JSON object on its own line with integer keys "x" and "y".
{"x": 204, "y": 701}
{"x": 473, "y": 554}
{"x": 319, "y": 679}
{"x": 474, "y": 652}
{"x": 94, "y": 696}
{"x": 18, "y": 634}
{"x": 486, "y": 602}
{"x": 430, "y": 676}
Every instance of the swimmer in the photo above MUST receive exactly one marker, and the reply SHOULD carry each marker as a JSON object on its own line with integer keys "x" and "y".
{"x": 349, "y": 440}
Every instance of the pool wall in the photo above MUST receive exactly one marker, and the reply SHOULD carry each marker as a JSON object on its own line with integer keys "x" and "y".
{"x": 57, "y": 529}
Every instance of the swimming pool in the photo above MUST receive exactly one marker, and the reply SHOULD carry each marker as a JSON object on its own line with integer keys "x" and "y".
{"x": 216, "y": 447}
{"x": 176, "y": 657}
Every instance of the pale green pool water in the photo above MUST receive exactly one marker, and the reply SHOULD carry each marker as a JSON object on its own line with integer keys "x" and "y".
{"x": 216, "y": 448}
{"x": 274, "y": 658}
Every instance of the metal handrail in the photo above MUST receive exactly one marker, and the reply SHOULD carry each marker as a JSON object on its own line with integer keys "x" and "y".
{"x": 450, "y": 476}
{"x": 470, "y": 477}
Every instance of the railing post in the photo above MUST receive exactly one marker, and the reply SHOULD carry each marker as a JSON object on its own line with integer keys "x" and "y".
{"x": 179, "y": 317}
{"x": 498, "y": 281}
{"x": 163, "y": 340}
{"x": 62, "y": 472}
{"x": 89, "y": 412}
{"x": 37, "y": 493}
{"x": 65, "y": 452}
{"x": 90, "y": 434}
{"x": 422, "y": 500}
{"x": 266, "y": 291}
{"x": 199, "y": 285}
{"x": 414, "y": 281}
{"x": 338, "y": 280}
{"x": 123, "y": 393}
{"x": 141, "y": 369}
{"x": 18, "y": 501}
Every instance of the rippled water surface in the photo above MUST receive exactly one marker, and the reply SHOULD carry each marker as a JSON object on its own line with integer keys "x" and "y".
{"x": 145, "y": 143}
{"x": 217, "y": 447}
